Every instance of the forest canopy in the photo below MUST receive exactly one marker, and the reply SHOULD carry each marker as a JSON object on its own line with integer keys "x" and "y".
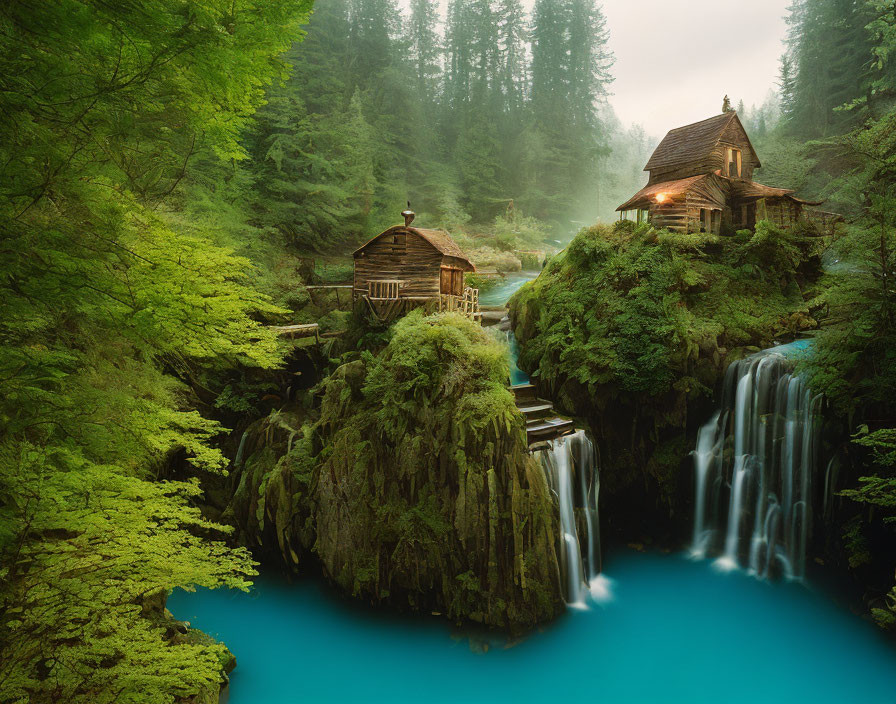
{"x": 108, "y": 310}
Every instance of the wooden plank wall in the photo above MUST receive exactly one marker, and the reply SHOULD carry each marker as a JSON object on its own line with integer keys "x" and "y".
{"x": 417, "y": 264}
{"x": 783, "y": 212}
{"x": 672, "y": 215}
{"x": 682, "y": 212}
{"x": 734, "y": 136}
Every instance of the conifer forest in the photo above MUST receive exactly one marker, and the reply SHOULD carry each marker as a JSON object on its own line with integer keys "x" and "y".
{"x": 349, "y": 351}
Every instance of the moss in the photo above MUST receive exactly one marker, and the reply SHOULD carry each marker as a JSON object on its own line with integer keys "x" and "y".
{"x": 414, "y": 486}
{"x": 426, "y": 496}
{"x": 631, "y": 328}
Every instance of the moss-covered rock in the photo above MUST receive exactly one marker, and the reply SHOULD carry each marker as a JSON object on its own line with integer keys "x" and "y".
{"x": 632, "y": 328}
{"x": 271, "y": 501}
{"x": 415, "y": 486}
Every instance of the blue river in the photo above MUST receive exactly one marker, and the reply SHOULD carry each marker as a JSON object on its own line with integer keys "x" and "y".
{"x": 509, "y": 285}
{"x": 672, "y": 630}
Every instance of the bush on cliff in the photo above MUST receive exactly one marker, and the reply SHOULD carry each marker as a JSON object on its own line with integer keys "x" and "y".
{"x": 423, "y": 494}
{"x": 630, "y": 326}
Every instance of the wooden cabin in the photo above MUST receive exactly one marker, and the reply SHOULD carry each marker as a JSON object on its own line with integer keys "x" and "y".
{"x": 406, "y": 267}
{"x": 701, "y": 180}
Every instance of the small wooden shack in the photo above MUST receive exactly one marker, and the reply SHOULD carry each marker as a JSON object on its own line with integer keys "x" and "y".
{"x": 701, "y": 180}
{"x": 406, "y": 267}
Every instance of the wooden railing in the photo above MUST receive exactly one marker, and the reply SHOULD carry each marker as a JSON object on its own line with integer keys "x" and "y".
{"x": 467, "y": 304}
{"x": 384, "y": 289}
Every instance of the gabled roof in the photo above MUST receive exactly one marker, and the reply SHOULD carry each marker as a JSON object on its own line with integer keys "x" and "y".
{"x": 691, "y": 142}
{"x": 439, "y": 239}
{"x": 751, "y": 189}
{"x": 670, "y": 188}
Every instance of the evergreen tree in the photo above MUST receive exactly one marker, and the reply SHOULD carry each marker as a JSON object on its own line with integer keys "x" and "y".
{"x": 787, "y": 89}
{"x": 570, "y": 74}
{"x": 830, "y": 47}
{"x": 513, "y": 70}
{"x": 425, "y": 50}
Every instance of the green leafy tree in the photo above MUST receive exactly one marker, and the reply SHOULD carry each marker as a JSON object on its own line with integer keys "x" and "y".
{"x": 112, "y": 310}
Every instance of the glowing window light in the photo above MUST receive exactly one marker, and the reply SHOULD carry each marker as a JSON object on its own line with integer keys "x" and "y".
{"x": 661, "y": 197}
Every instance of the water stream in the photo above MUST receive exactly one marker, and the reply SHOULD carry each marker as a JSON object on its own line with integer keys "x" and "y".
{"x": 570, "y": 464}
{"x": 757, "y": 465}
{"x": 499, "y": 294}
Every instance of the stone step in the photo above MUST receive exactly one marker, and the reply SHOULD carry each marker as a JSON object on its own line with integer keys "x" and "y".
{"x": 524, "y": 393}
{"x": 535, "y": 409}
{"x": 548, "y": 428}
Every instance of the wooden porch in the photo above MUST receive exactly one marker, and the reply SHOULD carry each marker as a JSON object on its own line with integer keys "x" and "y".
{"x": 386, "y": 300}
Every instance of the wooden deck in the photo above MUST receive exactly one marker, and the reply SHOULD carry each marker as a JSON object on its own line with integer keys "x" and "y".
{"x": 542, "y": 423}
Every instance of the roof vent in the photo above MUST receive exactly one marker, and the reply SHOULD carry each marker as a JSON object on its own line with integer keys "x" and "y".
{"x": 408, "y": 215}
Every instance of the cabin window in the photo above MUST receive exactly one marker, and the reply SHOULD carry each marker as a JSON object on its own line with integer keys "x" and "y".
{"x": 642, "y": 215}
{"x": 704, "y": 219}
{"x": 734, "y": 162}
{"x": 451, "y": 281}
{"x": 397, "y": 243}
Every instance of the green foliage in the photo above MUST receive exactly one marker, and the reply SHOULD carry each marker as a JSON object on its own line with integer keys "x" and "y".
{"x": 114, "y": 305}
{"x": 519, "y": 231}
{"x": 856, "y": 543}
{"x": 630, "y": 326}
{"x": 854, "y": 363}
{"x": 631, "y": 310}
{"x": 422, "y": 446}
{"x": 74, "y": 601}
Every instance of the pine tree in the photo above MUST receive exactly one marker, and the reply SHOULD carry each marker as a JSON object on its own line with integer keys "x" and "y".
{"x": 787, "y": 88}
{"x": 511, "y": 41}
{"x": 425, "y": 50}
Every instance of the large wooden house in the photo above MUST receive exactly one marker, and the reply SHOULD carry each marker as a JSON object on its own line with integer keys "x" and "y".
{"x": 701, "y": 180}
{"x": 406, "y": 267}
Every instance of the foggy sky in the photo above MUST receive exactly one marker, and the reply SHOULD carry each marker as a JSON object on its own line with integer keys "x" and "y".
{"x": 676, "y": 59}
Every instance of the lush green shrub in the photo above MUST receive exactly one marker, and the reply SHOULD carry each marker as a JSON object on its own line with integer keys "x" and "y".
{"x": 631, "y": 327}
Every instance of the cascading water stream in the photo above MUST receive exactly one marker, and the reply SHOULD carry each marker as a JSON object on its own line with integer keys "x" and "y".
{"x": 755, "y": 465}
{"x": 570, "y": 463}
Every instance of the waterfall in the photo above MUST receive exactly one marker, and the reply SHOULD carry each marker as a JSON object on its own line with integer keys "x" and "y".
{"x": 570, "y": 464}
{"x": 755, "y": 463}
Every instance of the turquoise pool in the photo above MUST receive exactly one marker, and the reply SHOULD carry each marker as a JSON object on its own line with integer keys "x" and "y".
{"x": 673, "y": 631}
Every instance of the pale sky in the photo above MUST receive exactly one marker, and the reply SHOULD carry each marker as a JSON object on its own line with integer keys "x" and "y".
{"x": 676, "y": 59}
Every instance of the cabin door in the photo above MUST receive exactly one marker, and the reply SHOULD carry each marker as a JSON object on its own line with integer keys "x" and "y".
{"x": 451, "y": 281}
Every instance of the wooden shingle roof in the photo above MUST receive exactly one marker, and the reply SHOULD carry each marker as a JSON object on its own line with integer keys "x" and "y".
{"x": 669, "y": 188}
{"x": 439, "y": 239}
{"x": 752, "y": 189}
{"x": 693, "y": 142}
